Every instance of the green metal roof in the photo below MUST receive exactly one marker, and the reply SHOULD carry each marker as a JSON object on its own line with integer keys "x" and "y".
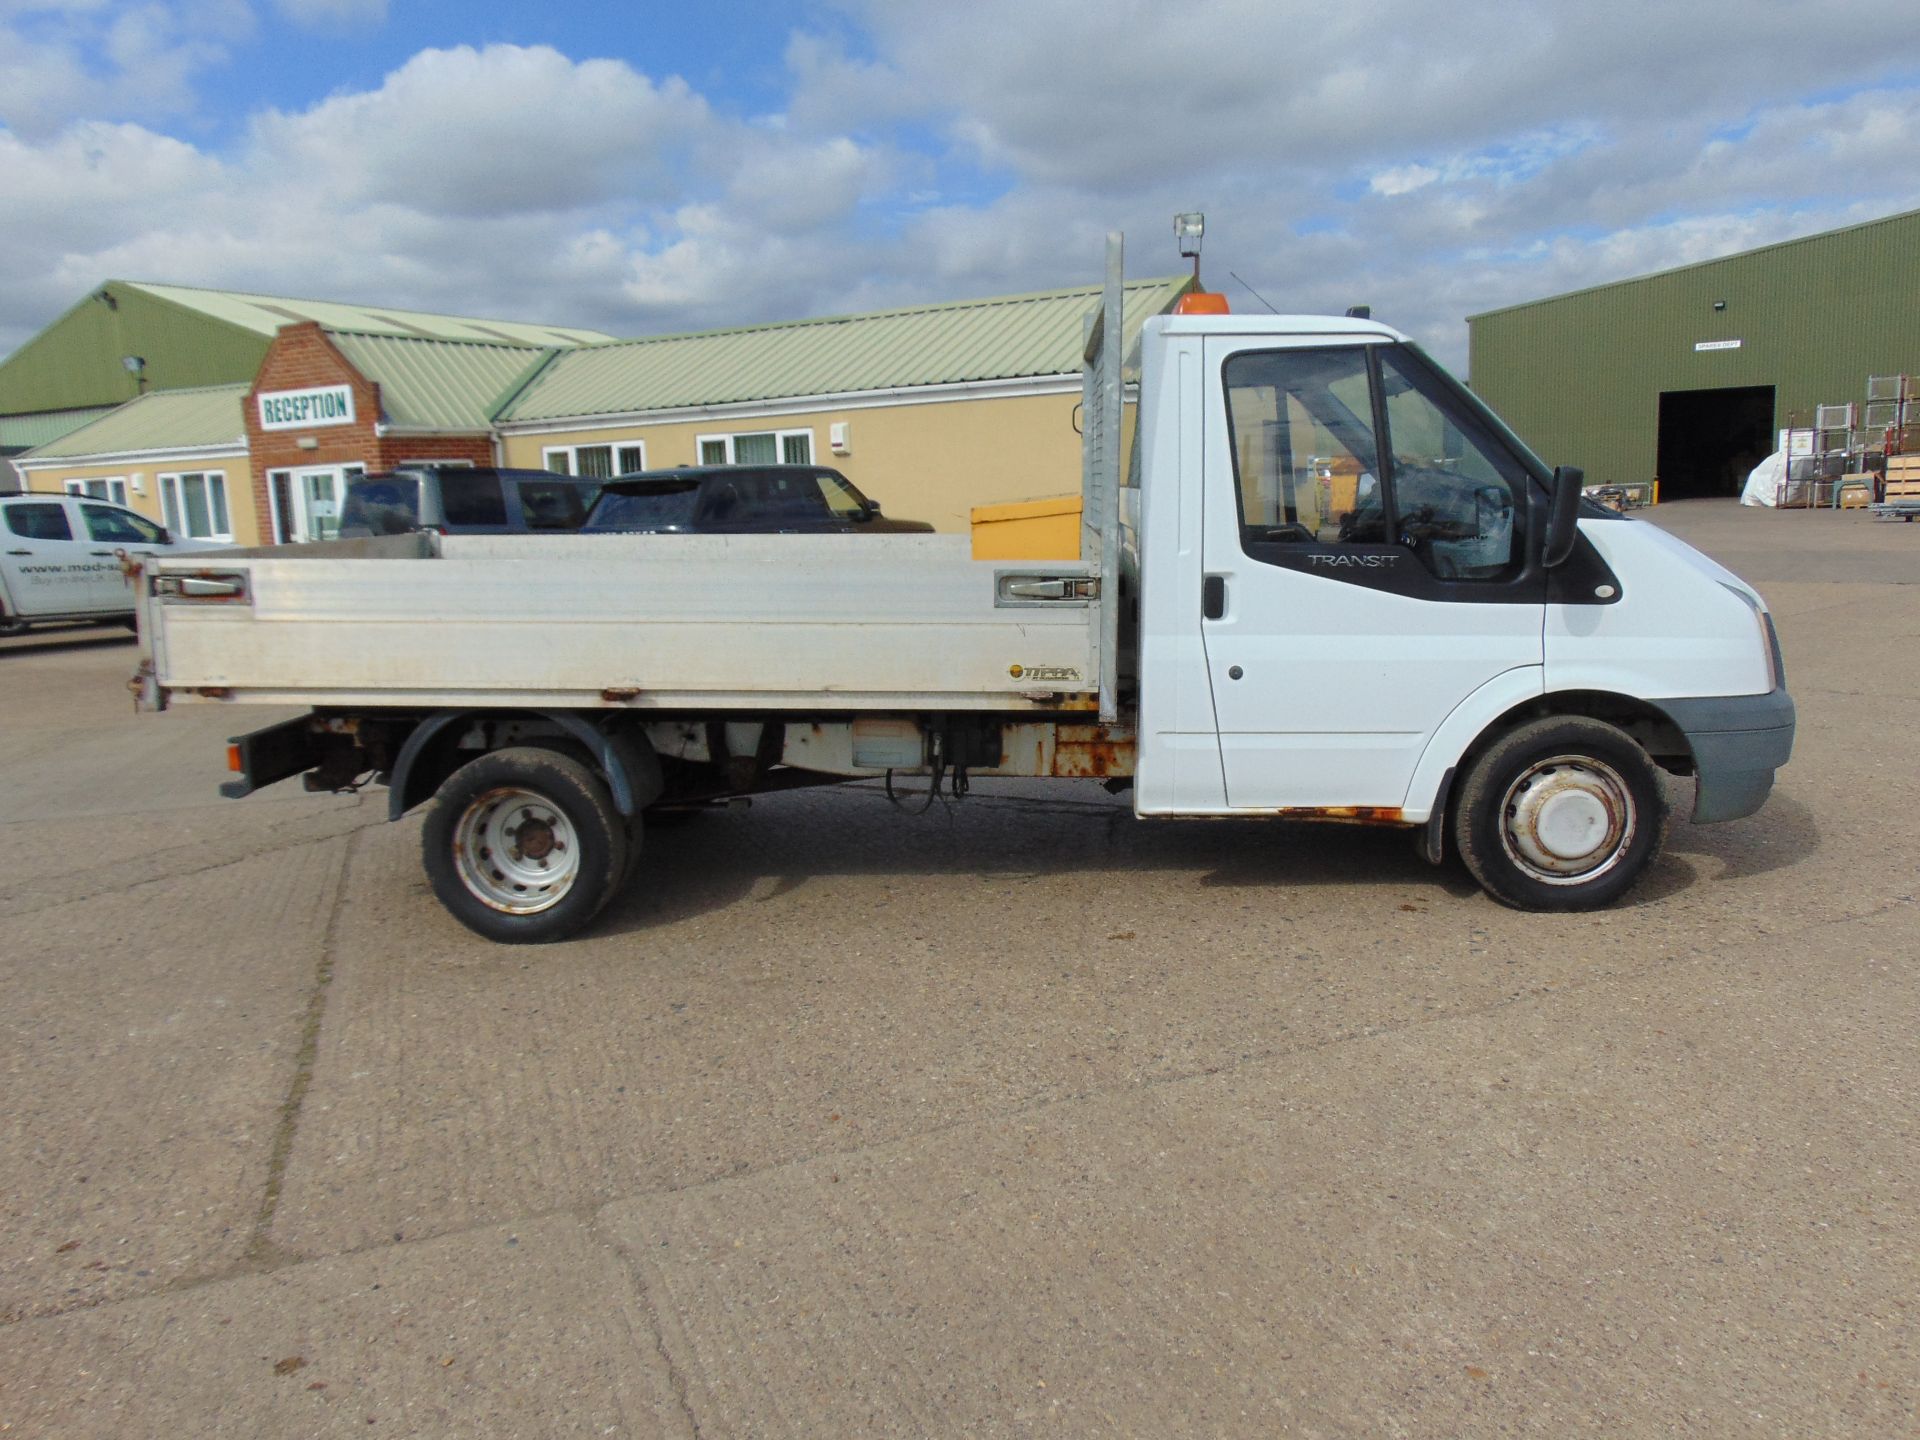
{"x": 21, "y": 432}
{"x": 1902, "y": 224}
{"x": 207, "y": 418}
{"x": 437, "y": 384}
{"x": 1004, "y": 338}
{"x": 188, "y": 338}
{"x": 265, "y": 314}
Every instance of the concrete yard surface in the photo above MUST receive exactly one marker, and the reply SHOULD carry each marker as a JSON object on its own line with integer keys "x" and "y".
{"x": 1019, "y": 1117}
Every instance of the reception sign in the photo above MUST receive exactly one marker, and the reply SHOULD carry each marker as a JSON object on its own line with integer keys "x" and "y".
{"x": 306, "y": 409}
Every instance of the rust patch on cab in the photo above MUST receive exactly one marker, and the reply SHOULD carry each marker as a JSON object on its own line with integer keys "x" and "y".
{"x": 1346, "y": 814}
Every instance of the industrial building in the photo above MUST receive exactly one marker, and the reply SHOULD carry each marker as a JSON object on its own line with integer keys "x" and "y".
{"x": 121, "y": 395}
{"x": 1689, "y": 376}
{"x": 251, "y": 413}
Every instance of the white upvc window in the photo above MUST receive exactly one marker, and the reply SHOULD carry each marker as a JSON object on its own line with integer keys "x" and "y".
{"x": 111, "y": 487}
{"x": 758, "y": 447}
{"x": 194, "y": 503}
{"x": 596, "y": 462}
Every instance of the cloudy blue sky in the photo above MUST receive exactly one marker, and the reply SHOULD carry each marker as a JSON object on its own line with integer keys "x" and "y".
{"x": 648, "y": 167}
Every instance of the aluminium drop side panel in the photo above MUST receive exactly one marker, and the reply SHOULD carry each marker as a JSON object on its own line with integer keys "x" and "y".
{"x": 639, "y": 622}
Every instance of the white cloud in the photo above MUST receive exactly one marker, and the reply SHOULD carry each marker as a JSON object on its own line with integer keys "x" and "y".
{"x": 485, "y": 132}
{"x": 1403, "y": 179}
{"x": 505, "y": 181}
{"x": 333, "y": 14}
{"x": 62, "y": 62}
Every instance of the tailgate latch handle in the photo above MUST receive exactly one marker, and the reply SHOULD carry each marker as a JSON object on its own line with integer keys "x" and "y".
{"x": 1059, "y": 588}
{"x": 201, "y": 587}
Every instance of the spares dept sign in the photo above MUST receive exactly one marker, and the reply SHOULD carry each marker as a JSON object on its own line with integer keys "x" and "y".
{"x": 306, "y": 409}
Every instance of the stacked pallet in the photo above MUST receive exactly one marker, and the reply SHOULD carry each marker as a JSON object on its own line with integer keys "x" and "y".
{"x": 1893, "y": 411}
{"x": 1903, "y": 478}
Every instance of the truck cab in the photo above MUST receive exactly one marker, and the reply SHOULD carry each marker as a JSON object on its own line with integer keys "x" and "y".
{"x": 1350, "y": 594}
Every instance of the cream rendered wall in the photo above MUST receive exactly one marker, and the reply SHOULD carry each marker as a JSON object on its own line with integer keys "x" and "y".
{"x": 51, "y": 479}
{"x": 931, "y": 462}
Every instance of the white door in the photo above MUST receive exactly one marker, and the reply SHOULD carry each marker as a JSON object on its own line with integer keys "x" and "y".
{"x": 318, "y": 494}
{"x": 1366, "y": 563}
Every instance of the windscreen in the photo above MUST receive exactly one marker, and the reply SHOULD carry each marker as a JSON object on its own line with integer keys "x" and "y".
{"x": 664, "y": 506}
{"x": 386, "y": 505}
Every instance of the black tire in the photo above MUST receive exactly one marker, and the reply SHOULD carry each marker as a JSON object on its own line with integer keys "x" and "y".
{"x": 1564, "y": 813}
{"x": 532, "y": 891}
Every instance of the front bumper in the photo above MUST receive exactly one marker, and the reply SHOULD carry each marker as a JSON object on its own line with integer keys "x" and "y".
{"x": 1738, "y": 741}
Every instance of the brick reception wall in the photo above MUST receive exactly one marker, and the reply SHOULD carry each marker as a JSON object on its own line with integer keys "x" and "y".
{"x": 302, "y": 357}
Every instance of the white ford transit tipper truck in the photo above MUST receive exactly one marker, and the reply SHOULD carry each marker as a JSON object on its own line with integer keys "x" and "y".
{"x": 1330, "y": 584}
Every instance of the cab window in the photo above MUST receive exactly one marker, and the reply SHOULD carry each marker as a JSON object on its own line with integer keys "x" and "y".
{"x": 471, "y": 498}
{"x": 1455, "y": 502}
{"x": 1314, "y": 468}
{"x": 120, "y": 527}
{"x": 554, "y": 505}
{"x": 1303, "y": 447}
{"x": 780, "y": 498}
{"x": 842, "y": 499}
{"x": 39, "y": 522}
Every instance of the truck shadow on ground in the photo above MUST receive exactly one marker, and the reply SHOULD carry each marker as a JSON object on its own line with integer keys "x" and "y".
{"x": 727, "y": 858}
{"x": 54, "y": 642}
{"x": 1784, "y": 834}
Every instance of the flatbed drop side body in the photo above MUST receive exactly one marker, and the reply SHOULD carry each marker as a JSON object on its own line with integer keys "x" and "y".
{"x": 1332, "y": 586}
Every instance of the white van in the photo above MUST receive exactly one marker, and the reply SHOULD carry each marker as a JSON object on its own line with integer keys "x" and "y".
{"x": 60, "y": 559}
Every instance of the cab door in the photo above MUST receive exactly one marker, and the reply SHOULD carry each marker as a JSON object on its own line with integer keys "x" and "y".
{"x": 1370, "y": 560}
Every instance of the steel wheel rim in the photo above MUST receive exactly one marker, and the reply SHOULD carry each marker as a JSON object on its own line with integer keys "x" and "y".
{"x": 1568, "y": 820}
{"x": 516, "y": 850}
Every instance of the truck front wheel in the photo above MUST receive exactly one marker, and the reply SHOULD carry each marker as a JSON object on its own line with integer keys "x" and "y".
{"x": 1560, "y": 814}
{"x": 524, "y": 845}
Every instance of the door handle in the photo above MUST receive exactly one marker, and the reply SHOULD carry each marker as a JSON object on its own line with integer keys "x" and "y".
{"x": 100, "y": 552}
{"x": 19, "y": 552}
{"x": 1213, "y": 597}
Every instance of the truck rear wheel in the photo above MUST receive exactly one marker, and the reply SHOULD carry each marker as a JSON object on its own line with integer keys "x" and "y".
{"x": 1560, "y": 814}
{"x": 524, "y": 845}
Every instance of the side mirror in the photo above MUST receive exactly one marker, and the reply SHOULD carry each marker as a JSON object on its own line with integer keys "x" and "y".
{"x": 1563, "y": 515}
